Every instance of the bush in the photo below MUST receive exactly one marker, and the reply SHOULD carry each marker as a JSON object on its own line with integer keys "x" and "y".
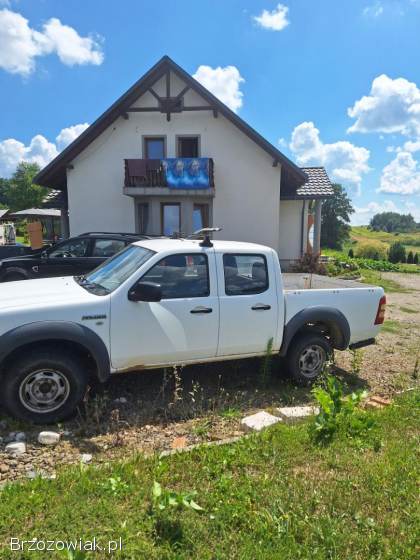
{"x": 339, "y": 414}
{"x": 396, "y": 252}
{"x": 416, "y": 259}
{"x": 375, "y": 251}
{"x": 309, "y": 263}
{"x": 410, "y": 258}
{"x": 351, "y": 254}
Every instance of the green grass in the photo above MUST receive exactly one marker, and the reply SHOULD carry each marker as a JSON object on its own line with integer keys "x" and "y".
{"x": 410, "y": 240}
{"x": 275, "y": 495}
{"x": 391, "y": 326}
{"x": 377, "y": 278}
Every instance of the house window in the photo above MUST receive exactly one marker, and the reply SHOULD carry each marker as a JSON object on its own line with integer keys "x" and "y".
{"x": 154, "y": 147}
{"x": 188, "y": 146}
{"x": 170, "y": 218}
{"x": 142, "y": 217}
{"x": 200, "y": 216}
{"x": 245, "y": 274}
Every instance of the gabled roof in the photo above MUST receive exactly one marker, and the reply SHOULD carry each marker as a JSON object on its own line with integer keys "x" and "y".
{"x": 318, "y": 185}
{"x": 3, "y": 213}
{"x": 54, "y": 174}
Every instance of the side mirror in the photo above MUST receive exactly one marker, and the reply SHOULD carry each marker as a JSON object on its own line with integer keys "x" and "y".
{"x": 145, "y": 291}
{"x": 44, "y": 255}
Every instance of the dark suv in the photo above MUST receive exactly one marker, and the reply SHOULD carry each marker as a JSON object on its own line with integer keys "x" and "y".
{"x": 72, "y": 257}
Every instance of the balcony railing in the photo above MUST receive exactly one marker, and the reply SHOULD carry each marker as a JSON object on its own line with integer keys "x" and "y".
{"x": 176, "y": 173}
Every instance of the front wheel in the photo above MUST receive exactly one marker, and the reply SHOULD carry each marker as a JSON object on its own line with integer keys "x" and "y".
{"x": 307, "y": 358}
{"x": 44, "y": 387}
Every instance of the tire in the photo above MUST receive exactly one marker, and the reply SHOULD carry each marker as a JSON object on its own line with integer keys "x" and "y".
{"x": 44, "y": 387}
{"x": 307, "y": 357}
{"x": 15, "y": 274}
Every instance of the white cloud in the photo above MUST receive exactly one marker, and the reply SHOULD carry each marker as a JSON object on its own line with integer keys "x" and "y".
{"x": 411, "y": 146}
{"x": 401, "y": 175}
{"x": 363, "y": 214}
{"x": 391, "y": 106}
{"x": 20, "y": 44}
{"x": 344, "y": 161}
{"x": 224, "y": 83}
{"x": 39, "y": 150}
{"x": 373, "y": 10}
{"x": 276, "y": 20}
{"x": 67, "y": 135}
{"x": 12, "y": 152}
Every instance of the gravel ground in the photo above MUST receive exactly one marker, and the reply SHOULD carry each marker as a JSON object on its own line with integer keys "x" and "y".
{"x": 157, "y": 410}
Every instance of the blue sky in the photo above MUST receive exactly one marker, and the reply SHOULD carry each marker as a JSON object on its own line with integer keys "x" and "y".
{"x": 331, "y": 83}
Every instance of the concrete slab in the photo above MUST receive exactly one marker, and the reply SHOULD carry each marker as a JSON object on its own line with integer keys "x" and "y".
{"x": 258, "y": 421}
{"x": 294, "y": 413}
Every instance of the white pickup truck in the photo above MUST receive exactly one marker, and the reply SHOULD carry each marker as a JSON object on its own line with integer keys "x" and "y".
{"x": 163, "y": 302}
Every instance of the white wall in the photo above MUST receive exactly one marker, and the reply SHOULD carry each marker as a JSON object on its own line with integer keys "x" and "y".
{"x": 290, "y": 236}
{"x": 247, "y": 186}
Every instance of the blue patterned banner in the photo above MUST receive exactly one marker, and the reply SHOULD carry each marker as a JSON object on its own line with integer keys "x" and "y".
{"x": 187, "y": 173}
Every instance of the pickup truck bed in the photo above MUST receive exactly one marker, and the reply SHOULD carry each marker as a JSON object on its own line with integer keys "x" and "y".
{"x": 353, "y": 299}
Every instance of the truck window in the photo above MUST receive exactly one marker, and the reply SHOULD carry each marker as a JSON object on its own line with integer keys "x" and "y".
{"x": 245, "y": 274}
{"x": 181, "y": 276}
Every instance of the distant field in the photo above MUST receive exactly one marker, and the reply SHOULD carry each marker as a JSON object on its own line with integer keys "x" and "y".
{"x": 362, "y": 234}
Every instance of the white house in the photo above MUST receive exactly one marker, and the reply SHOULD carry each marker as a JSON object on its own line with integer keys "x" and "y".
{"x": 168, "y": 156}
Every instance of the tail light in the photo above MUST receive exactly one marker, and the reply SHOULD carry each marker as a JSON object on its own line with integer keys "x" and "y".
{"x": 380, "y": 314}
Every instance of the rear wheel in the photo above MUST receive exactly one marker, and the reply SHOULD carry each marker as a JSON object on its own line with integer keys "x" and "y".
{"x": 307, "y": 357}
{"x": 44, "y": 387}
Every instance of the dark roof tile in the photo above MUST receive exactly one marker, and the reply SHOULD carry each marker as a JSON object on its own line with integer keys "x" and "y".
{"x": 318, "y": 184}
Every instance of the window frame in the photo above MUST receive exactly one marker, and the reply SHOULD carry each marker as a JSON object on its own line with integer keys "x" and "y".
{"x": 179, "y": 137}
{"x": 137, "y": 217}
{"x": 147, "y": 137}
{"x": 206, "y": 206}
{"x": 162, "y": 205}
{"x": 182, "y": 255}
{"x": 267, "y": 286}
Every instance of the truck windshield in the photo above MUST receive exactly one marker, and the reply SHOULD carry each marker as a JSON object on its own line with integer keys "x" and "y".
{"x": 113, "y": 272}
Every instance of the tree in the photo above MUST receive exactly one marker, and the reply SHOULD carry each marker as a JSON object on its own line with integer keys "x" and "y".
{"x": 396, "y": 252}
{"x": 410, "y": 257}
{"x": 351, "y": 253}
{"x": 4, "y": 183}
{"x": 19, "y": 191}
{"x": 416, "y": 259}
{"x": 335, "y": 228}
{"x": 392, "y": 221}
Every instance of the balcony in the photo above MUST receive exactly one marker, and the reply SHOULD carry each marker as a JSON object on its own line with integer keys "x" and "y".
{"x": 170, "y": 176}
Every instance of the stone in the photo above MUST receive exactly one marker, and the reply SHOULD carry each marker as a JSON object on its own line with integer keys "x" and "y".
{"x": 20, "y": 436}
{"x": 293, "y": 413}
{"x": 3, "y": 425}
{"x": 121, "y": 400}
{"x": 86, "y": 458}
{"x": 258, "y": 421}
{"x": 48, "y": 438}
{"x": 16, "y": 448}
{"x": 4, "y": 468}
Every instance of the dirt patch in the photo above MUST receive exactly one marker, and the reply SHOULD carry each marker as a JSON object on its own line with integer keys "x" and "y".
{"x": 156, "y": 410}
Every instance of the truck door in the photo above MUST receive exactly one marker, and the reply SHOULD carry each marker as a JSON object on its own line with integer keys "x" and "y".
{"x": 248, "y": 303}
{"x": 182, "y": 326}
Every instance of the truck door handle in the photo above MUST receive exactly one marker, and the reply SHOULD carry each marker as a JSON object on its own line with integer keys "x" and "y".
{"x": 201, "y": 309}
{"x": 260, "y": 307}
